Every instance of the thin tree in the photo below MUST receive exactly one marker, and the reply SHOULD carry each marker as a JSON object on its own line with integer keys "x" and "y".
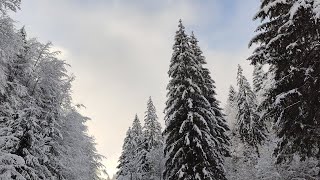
{"x": 250, "y": 128}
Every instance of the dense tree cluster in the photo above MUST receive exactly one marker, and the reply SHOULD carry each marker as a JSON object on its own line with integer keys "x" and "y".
{"x": 42, "y": 134}
{"x": 287, "y": 95}
{"x": 270, "y": 130}
{"x": 142, "y": 151}
{"x": 256, "y": 160}
{"x": 288, "y": 40}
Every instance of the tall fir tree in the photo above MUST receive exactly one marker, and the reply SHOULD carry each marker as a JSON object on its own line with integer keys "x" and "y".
{"x": 288, "y": 39}
{"x": 191, "y": 150}
{"x": 249, "y": 126}
{"x": 218, "y": 124}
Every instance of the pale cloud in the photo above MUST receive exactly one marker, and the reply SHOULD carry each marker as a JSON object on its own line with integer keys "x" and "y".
{"x": 120, "y": 52}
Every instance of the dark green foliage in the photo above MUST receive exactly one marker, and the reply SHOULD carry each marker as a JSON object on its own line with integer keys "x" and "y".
{"x": 288, "y": 39}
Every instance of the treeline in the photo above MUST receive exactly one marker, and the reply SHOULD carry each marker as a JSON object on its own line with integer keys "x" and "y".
{"x": 194, "y": 140}
{"x": 42, "y": 134}
{"x": 272, "y": 130}
{"x": 288, "y": 102}
{"x": 253, "y": 138}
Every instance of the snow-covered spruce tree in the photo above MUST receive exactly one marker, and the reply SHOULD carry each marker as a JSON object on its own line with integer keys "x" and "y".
{"x": 23, "y": 121}
{"x": 34, "y": 88}
{"x": 129, "y": 161}
{"x": 288, "y": 40}
{"x": 232, "y": 96}
{"x": 125, "y": 159}
{"x": 152, "y": 128}
{"x": 250, "y": 128}
{"x": 218, "y": 125}
{"x": 12, "y": 92}
{"x": 152, "y": 145}
{"x": 247, "y": 132}
{"x": 191, "y": 150}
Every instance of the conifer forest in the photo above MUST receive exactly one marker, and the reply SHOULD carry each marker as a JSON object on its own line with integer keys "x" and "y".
{"x": 267, "y": 129}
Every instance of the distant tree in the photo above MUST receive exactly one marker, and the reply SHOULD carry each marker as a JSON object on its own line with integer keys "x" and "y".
{"x": 152, "y": 145}
{"x": 125, "y": 158}
{"x": 129, "y": 161}
{"x": 247, "y": 131}
{"x": 249, "y": 126}
{"x": 152, "y": 128}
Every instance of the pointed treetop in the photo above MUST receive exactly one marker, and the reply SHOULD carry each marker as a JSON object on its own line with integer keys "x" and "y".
{"x": 239, "y": 75}
{"x": 150, "y": 114}
{"x": 193, "y": 39}
{"x": 232, "y": 94}
{"x": 192, "y": 35}
{"x": 231, "y": 88}
{"x": 136, "y": 119}
{"x": 23, "y": 35}
{"x": 240, "y": 70}
{"x": 23, "y": 30}
{"x": 128, "y": 131}
{"x": 181, "y": 27}
{"x": 136, "y": 127}
{"x": 150, "y": 107}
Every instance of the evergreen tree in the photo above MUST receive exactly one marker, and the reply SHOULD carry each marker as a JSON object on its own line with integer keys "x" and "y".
{"x": 152, "y": 128}
{"x": 191, "y": 150}
{"x": 12, "y": 93}
{"x": 152, "y": 143}
{"x": 232, "y": 97}
{"x": 288, "y": 40}
{"x": 218, "y": 125}
{"x": 34, "y": 94}
{"x": 125, "y": 159}
{"x": 129, "y": 161}
{"x": 249, "y": 126}
{"x": 246, "y": 133}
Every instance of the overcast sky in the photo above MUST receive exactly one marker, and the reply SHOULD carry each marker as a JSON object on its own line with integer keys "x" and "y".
{"x": 120, "y": 51}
